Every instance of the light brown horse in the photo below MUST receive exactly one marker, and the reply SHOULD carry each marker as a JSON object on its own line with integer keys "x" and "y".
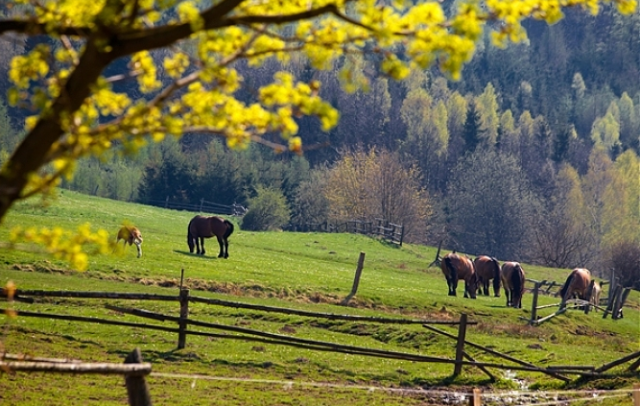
{"x": 201, "y": 227}
{"x": 455, "y": 267}
{"x": 488, "y": 268}
{"x": 513, "y": 279}
{"x": 595, "y": 295}
{"x": 130, "y": 235}
{"x": 576, "y": 285}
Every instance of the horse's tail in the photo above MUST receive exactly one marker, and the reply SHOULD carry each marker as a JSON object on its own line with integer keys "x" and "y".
{"x": 453, "y": 273}
{"x": 190, "y": 237}
{"x": 566, "y": 285}
{"x": 229, "y": 229}
{"x": 496, "y": 274}
{"x": 517, "y": 280}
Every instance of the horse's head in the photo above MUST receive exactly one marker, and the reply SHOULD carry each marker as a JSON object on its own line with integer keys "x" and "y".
{"x": 472, "y": 283}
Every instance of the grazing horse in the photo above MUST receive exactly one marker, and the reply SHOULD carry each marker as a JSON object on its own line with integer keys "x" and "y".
{"x": 595, "y": 295}
{"x": 513, "y": 282}
{"x": 201, "y": 227}
{"x": 130, "y": 235}
{"x": 488, "y": 268}
{"x": 576, "y": 285}
{"x": 455, "y": 267}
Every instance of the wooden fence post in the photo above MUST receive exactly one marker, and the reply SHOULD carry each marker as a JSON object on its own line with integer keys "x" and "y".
{"x": 612, "y": 286}
{"x": 613, "y": 298}
{"x": 636, "y": 394}
{"x": 534, "y": 305}
{"x": 462, "y": 331}
{"x": 617, "y": 308}
{"x": 356, "y": 280}
{"x": 184, "y": 315}
{"x": 475, "y": 399}
{"x": 137, "y": 390}
{"x": 436, "y": 261}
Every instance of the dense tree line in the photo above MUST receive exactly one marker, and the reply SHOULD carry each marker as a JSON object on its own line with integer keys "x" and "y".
{"x": 532, "y": 155}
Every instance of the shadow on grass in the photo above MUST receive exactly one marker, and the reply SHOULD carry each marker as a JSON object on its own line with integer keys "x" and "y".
{"x": 193, "y": 254}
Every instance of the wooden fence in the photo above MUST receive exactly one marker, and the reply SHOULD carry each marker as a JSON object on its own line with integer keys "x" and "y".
{"x": 391, "y": 232}
{"x": 133, "y": 370}
{"x": 139, "y": 394}
{"x": 186, "y": 326}
{"x": 614, "y": 302}
{"x": 184, "y": 298}
{"x": 203, "y": 206}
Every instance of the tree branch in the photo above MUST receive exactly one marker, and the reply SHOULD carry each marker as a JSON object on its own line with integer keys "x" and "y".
{"x": 134, "y": 41}
{"x": 33, "y": 28}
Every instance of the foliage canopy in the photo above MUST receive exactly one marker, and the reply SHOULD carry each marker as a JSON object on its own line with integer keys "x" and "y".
{"x": 71, "y": 80}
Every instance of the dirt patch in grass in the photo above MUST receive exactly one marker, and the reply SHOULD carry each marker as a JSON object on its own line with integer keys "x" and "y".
{"x": 43, "y": 267}
{"x": 507, "y": 329}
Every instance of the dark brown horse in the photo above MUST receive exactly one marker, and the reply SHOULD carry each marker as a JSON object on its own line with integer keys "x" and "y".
{"x": 488, "y": 268}
{"x": 201, "y": 227}
{"x": 513, "y": 281}
{"x": 576, "y": 285}
{"x": 455, "y": 267}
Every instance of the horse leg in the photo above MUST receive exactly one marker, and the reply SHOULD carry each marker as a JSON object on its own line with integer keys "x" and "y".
{"x": 226, "y": 248}
{"x": 485, "y": 287}
{"x": 200, "y": 245}
{"x": 453, "y": 287}
{"x": 221, "y": 254}
{"x": 450, "y": 285}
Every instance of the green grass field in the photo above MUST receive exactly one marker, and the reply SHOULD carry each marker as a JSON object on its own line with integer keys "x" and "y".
{"x": 305, "y": 271}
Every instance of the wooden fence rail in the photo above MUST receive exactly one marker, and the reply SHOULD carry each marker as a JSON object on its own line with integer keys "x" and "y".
{"x": 24, "y": 294}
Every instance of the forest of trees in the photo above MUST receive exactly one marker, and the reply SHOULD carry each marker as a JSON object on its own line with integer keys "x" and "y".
{"x": 532, "y": 155}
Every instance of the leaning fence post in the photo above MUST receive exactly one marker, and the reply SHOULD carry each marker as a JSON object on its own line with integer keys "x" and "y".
{"x": 462, "y": 331}
{"x": 137, "y": 390}
{"x": 612, "y": 300}
{"x": 622, "y": 297}
{"x": 356, "y": 280}
{"x": 184, "y": 315}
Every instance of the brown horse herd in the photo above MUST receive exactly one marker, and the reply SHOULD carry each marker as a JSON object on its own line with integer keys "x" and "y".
{"x": 478, "y": 273}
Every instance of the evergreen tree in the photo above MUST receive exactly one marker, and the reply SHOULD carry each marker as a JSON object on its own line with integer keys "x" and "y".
{"x": 561, "y": 145}
{"x": 472, "y": 132}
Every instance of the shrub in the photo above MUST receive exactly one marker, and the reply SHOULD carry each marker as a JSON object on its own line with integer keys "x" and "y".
{"x": 268, "y": 210}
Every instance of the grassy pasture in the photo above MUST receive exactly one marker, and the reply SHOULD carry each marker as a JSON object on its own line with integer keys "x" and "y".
{"x": 307, "y": 271}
